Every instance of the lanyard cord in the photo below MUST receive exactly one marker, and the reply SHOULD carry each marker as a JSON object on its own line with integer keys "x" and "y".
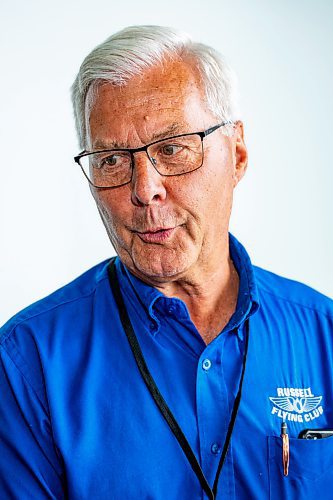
{"x": 158, "y": 398}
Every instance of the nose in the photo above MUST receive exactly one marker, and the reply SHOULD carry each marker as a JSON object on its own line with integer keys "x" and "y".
{"x": 147, "y": 184}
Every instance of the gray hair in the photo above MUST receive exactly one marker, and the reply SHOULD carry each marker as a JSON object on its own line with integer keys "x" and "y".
{"x": 133, "y": 50}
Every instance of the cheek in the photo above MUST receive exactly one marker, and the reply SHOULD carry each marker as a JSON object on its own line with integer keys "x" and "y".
{"x": 115, "y": 212}
{"x": 209, "y": 190}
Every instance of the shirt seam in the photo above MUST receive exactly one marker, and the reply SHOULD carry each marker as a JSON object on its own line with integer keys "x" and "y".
{"x": 45, "y": 311}
{"x": 294, "y": 302}
{"x": 35, "y": 392}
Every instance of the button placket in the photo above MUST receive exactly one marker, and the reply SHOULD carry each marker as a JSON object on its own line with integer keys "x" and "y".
{"x": 212, "y": 407}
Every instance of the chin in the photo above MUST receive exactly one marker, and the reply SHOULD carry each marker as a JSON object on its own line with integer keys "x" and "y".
{"x": 161, "y": 265}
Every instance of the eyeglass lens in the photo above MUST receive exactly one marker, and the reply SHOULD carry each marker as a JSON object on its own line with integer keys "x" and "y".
{"x": 173, "y": 156}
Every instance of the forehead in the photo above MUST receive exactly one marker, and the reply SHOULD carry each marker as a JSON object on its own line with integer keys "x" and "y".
{"x": 169, "y": 96}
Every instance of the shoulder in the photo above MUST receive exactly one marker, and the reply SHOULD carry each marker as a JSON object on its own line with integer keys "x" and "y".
{"x": 298, "y": 296}
{"x": 70, "y": 297}
{"x": 37, "y": 342}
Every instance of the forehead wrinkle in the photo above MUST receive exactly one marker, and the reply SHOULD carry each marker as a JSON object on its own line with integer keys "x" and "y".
{"x": 172, "y": 129}
{"x": 143, "y": 95}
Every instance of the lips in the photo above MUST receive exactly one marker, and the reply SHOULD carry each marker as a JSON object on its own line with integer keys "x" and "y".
{"x": 156, "y": 235}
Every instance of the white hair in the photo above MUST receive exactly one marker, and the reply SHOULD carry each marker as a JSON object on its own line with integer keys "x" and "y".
{"x": 133, "y": 50}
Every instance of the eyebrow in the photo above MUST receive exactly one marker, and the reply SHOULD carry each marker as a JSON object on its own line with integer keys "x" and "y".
{"x": 170, "y": 130}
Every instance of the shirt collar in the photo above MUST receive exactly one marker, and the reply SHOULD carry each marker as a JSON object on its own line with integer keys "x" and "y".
{"x": 247, "y": 302}
{"x": 144, "y": 293}
{"x": 248, "y": 299}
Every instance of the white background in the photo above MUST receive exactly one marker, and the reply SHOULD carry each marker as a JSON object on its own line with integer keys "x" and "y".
{"x": 282, "y": 51}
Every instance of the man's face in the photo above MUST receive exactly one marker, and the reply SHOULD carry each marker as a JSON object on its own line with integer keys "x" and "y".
{"x": 166, "y": 228}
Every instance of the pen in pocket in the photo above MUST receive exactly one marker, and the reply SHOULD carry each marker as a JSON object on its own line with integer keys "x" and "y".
{"x": 285, "y": 448}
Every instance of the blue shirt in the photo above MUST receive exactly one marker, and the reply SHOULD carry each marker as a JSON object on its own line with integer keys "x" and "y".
{"x": 77, "y": 421}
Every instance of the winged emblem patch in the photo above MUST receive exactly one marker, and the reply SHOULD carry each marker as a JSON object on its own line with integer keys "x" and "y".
{"x": 296, "y": 404}
{"x": 299, "y": 405}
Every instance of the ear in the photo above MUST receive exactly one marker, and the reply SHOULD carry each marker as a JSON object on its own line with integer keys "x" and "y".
{"x": 240, "y": 153}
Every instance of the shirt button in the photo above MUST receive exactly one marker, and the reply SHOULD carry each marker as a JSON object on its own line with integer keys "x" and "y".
{"x": 206, "y": 364}
{"x": 171, "y": 310}
{"x": 215, "y": 448}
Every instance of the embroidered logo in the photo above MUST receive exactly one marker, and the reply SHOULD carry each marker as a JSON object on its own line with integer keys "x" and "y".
{"x": 296, "y": 404}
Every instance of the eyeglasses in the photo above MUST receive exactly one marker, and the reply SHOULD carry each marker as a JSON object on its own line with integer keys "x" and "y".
{"x": 175, "y": 155}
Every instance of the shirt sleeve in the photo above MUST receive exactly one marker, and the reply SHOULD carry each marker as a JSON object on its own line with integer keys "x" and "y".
{"x": 30, "y": 464}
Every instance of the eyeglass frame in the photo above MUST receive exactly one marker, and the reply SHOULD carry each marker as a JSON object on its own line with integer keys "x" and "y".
{"x": 131, "y": 151}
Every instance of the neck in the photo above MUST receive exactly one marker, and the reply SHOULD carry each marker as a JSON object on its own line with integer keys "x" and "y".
{"x": 210, "y": 296}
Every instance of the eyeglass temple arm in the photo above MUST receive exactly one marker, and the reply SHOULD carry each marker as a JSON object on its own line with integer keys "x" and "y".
{"x": 212, "y": 129}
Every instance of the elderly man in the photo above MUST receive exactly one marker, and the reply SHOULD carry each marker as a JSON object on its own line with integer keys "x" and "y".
{"x": 177, "y": 370}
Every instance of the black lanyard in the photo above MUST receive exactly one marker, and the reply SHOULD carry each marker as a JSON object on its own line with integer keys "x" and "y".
{"x": 159, "y": 400}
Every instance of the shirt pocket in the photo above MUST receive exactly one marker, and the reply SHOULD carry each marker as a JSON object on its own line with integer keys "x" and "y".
{"x": 310, "y": 474}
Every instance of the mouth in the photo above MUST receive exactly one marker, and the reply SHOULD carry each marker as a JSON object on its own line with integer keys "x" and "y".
{"x": 158, "y": 235}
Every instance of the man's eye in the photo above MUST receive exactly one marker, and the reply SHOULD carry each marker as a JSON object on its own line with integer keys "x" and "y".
{"x": 170, "y": 149}
{"x": 110, "y": 161}
{"x": 115, "y": 160}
